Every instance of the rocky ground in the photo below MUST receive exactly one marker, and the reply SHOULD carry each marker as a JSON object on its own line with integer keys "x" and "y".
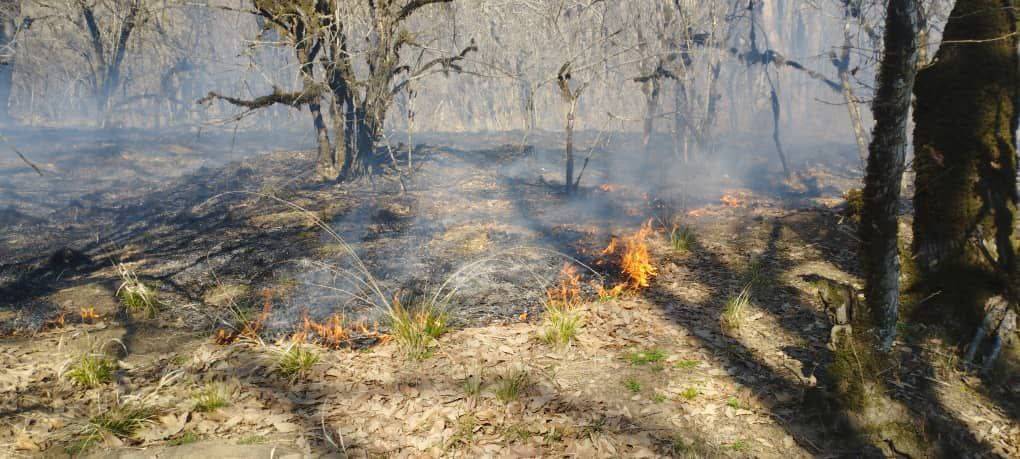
{"x": 651, "y": 373}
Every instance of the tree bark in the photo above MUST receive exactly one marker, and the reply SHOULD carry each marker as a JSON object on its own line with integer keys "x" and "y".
{"x": 569, "y": 148}
{"x": 10, "y": 10}
{"x": 886, "y": 161}
{"x": 965, "y": 157}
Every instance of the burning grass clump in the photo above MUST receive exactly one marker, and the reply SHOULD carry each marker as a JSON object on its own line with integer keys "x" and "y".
{"x": 416, "y": 321}
{"x": 136, "y": 295}
{"x": 562, "y": 315}
{"x": 91, "y": 369}
{"x": 735, "y": 311}
{"x": 634, "y": 257}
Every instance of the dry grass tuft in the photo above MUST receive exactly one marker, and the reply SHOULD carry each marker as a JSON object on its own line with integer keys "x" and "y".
{"x": 735, "y": 311}
{"x": 134, "y": 294}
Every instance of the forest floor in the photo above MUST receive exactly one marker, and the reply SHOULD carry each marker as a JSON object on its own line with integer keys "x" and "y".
{"x": 652, "y": 372}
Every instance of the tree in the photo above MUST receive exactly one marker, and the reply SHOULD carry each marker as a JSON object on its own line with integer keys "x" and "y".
{"x": 333, "y": 35}
{"x": 109, "y": 43}
{"x": 965, "y": 158}
{"x": 10, "y": 25}
{"x": 886, "y": 162}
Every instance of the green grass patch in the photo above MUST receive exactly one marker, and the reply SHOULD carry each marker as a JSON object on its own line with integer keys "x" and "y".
{"x": 184, "y": 439}
{"x": 560, "y": 325}
{"x": 682, "y": 238}
{"x": 632, "y": 385}
{"x": 91, "y": 370}
{"x": 416, "y": 321}
{"x": 211, "y": 398}
{"x": 646, "y": 356}
{"x": 688, "y": 364}
{"x": 294, "y": 361}
{"x": 512, "y": 384}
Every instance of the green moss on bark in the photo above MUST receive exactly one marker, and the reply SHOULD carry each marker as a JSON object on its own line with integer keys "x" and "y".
{"x": 965, "y": 159}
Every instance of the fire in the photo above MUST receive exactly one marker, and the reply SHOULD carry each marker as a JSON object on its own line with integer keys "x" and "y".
{"x": 609, "y": 294}
{"x": 635, "y": 261}
{"x": 731, "y": 201}
{"x": 88, "y": 314}
{"x": 331, "y": 333}
{"x": 252, "y": 328}
{"x": 609, "y": 187}
{"x": 566, "y": 295}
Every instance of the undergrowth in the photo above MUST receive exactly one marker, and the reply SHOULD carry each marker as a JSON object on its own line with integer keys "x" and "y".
{"x": 735, "y": 311}
{"x": 294, "y": 361}
{"x": 416, "y": 321}
{"x": 210, "y": 398}
{"x": 512, "y": 384}
{"x": 682, "y": 238}
{"x": 91, "y": 369}
{"x": 136, "y": 296}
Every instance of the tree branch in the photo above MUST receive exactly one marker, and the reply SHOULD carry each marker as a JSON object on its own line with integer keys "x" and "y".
{"x": 293, "y": 99}
{"x": 413, "y": 5}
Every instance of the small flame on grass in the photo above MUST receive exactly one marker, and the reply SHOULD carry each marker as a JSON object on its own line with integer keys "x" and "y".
{"x": 609, "y": 187}
{"x": 567, "y": 294}
{"x": 331, "y": 333}
{"x": 88, "y": 314}
{"x": 635, "y": 260}
{"x": 57, "y": 322}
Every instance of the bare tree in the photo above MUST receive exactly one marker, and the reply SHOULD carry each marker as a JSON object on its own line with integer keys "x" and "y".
{"x": 886, "y": 162}
{"x": 342, "y": 38}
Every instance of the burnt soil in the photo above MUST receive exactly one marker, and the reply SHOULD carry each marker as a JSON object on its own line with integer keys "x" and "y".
{"x": 221, "y": 223}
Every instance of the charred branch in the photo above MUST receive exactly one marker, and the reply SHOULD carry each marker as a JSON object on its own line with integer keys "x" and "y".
{"x": 306, "y": 96}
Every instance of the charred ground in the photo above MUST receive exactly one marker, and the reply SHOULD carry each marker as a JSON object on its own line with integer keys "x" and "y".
{"x": 226, "y": 237}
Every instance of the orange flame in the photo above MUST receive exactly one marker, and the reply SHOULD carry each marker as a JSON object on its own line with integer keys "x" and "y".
{"x": 609, "y": 187}
{"x": 635, "y": 261}
{"x": 332, "y": 332}
{"x": 88, "y": 314}
{"x": 252, "y": 328}
{"x": 566, "y": 295}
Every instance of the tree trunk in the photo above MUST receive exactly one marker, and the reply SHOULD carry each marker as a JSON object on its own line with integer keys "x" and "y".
{"x": 965, "y": 157}
{"x": 680, "y": 124}
{"x": 9, "y": 12}
{"x": 324, "y": 166}
{"x": 888, "y": 151}
{"x": 569, "y": 150}
{"x": 651, "y": 90}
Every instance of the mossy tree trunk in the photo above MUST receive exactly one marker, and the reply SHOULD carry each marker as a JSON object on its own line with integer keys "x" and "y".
{"x": 965, "y": 158}
{"x": 886, "y": 159}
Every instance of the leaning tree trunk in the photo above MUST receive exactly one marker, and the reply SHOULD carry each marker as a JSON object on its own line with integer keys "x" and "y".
{"x": 569, "y": 148}
{"x": 888, "y": 151}
{"x": 965, "y": 156}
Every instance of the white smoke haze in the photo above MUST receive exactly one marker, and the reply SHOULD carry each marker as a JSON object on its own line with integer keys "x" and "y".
{"x": 483, "y": 136}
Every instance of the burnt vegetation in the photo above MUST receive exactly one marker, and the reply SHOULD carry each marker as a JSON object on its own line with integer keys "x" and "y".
{"x": 514, "y": 228}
